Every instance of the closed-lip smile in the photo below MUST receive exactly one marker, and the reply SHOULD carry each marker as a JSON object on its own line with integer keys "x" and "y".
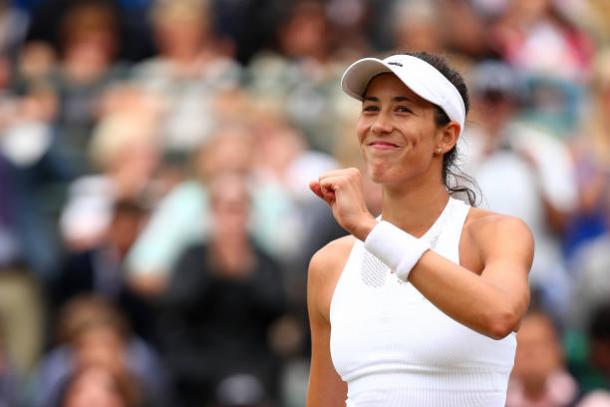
{"x": 382, "y": 144}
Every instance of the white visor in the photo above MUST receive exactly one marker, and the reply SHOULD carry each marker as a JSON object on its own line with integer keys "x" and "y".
{"x": 418, "y": 75}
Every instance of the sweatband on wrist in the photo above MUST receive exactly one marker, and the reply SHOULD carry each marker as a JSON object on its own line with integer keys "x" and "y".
{"x": 396, "y": 248}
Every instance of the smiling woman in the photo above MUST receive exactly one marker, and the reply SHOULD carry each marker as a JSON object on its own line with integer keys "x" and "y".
{"x": 418, "y": 307}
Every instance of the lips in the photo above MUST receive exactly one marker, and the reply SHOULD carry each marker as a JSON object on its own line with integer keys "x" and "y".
{"x": 383, "y": 145}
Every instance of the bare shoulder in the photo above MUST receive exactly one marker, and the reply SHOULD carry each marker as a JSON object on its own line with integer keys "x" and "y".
{"x": 493, "y": 232}
{"x": 481, "y": 222}
{"x": 330, "y": 259}
{"x": 324, "y": 271}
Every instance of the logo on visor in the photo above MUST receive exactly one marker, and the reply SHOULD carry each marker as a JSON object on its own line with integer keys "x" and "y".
{"x": 395, "y": 63}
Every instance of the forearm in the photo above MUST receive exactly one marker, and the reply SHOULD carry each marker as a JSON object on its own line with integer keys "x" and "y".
{"x": 467, "y": 297}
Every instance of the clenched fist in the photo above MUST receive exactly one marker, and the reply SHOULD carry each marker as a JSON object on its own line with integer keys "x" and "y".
{"x": 342, "y": 190}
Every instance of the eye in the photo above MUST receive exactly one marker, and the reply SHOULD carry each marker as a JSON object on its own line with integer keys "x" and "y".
{"x": 403, "y": 109}
{"x": 370, "y": 108}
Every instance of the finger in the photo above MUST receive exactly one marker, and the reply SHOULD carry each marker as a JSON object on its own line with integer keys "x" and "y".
{"x": 316, "y": 188}
{"x": 329, "y": 195}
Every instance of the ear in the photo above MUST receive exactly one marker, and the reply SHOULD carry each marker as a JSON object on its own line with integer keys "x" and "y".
{"x": 447, "y": 137}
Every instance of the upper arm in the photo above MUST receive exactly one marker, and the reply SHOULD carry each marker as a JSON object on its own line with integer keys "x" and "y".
{"x": 507, "y": 250}
{"x": 326, "y": 389}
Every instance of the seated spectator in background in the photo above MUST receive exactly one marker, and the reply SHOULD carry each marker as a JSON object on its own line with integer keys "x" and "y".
{"x": 589, "y": 352}
{"x": 301, "y": 74}
{"x": 99, "y": 386}
{"x": 98, "y": 269}
{"x": 124, "y": 150}
{"x": 92, "y": 332}
{"x": 591, "y": 266}
{"x": 540, "y": 37}
{"x": 591, "y": 152}
{"x": 87, "y": 66}
{"x": 450, "y": 28}
{"x": 183, "y": 216}
{"x": 220, "y": 304}
{"x": 539, "y": 377}
{"x": 187, "y": 74}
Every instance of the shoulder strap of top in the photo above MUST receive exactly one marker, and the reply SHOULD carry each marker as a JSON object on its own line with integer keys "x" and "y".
{"x": 449, "y": 241}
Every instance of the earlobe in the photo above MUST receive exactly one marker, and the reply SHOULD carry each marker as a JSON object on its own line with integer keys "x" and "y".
{"x": 450, "y": 136}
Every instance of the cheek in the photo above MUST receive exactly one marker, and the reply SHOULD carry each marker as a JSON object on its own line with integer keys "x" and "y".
{"x": 362, "y": 129}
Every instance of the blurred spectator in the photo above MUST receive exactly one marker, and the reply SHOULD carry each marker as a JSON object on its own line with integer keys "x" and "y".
{"x": 538, "y": 37}
{"x": 25, "y": 255}
{"x": 124, "y": 150}
{"x": 188, "y": 73}
{"x": 92, "y": 332}
{"x": 98, "y": 269}
{"x": 29, "y": 163}
{"x": 416, "y": 26}
{"x": 133, "y": 27}
{"x": 444, "y": 27}
{"x": 539, "y": 377}
{"x": 591, "y": 265}
{"x": 591, "y": 151}
{"x": 34, "y": 67}
{"x": 13, "y": 26}
{"x": 220, "y": 304}
{"x": 522, "y": 172}
{"x": 183, "y": 218}
{"x": 302, "y": 74}
{"x": 99, "y": 386}
{"x": 589, "y": 352}
{"x": 88, "y": 50}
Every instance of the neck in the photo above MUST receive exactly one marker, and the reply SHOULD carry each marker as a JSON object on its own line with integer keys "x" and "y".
{"x": 414, "y": 209}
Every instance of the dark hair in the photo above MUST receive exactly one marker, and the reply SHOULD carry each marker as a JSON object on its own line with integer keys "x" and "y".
{"x": 452, "y": 175}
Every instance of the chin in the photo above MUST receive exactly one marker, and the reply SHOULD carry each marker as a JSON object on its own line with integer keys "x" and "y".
{"x": 378, "y": 175}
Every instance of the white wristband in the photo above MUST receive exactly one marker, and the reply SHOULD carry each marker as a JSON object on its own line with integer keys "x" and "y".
{"x": 396, "y": 248}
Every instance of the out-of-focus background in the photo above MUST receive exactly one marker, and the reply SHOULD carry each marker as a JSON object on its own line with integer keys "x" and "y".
{"x": 155, "y": 219}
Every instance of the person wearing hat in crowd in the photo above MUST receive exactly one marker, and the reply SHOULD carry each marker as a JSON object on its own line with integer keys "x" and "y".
{"x": 418, "y": 306}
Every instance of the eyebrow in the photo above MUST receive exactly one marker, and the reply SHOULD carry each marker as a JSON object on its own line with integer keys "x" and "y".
{"x": 394, "y": 99}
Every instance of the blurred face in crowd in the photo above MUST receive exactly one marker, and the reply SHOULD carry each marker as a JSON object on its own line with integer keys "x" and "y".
{"x": 101, "y": 345}
{"x": 89, "y": 39}
{"x": 538, "y": 351}
{"x": 230, "y": 204}
{"x": 228, "y": 150}
{"x": 305, "y": 33}
{"x": 94, "y": 387}
{"x": 493, "y": 109}
{"x": 181, "y": 28}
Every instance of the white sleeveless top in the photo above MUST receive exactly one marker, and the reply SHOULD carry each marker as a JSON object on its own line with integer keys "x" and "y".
{"x": 395, "y": 348}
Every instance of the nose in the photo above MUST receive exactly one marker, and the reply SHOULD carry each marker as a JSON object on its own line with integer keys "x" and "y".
{"x": 382, "y": 124}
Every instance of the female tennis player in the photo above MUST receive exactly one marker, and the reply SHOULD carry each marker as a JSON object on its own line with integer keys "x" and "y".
{"x": 419, "y": 306}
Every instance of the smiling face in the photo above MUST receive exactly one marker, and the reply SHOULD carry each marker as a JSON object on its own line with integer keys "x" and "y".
{"x": 398, "y": 134}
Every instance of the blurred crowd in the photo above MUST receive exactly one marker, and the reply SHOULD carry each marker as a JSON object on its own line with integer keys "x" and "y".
{"x": 155, "y": 218}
